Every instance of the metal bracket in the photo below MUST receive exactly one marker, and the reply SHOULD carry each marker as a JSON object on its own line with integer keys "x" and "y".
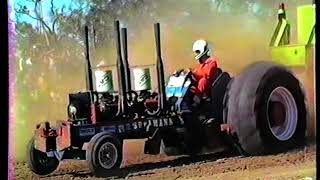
{"x": 58, "y": 155}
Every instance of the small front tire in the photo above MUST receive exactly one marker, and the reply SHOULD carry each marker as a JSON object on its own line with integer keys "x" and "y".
{"x": 39, "y": 162}
{"x": 104, "y": 155}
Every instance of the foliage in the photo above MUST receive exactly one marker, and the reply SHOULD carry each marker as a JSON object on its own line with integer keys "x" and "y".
{"x": 50, "y": 52}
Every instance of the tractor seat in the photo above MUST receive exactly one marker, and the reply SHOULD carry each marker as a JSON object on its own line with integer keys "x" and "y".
{"x": 218, "y": 90}
{"x": 219, "y": 86}
{"x": 216, "y": 74}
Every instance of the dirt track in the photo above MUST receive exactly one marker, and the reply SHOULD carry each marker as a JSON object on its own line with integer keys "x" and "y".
{"x": 296, "y": 164}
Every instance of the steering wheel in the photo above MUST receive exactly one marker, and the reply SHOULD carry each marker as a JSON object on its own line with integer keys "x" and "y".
{"x": 143, "y": 96}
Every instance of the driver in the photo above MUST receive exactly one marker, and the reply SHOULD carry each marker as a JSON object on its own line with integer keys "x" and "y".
{"x": 204, "y": 71}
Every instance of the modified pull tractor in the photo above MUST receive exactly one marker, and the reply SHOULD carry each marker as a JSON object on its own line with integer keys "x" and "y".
{"x": 261, "y": 111}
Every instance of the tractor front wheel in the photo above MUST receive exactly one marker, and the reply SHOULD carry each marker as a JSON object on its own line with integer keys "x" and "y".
{"x": 39, "y": 162}
{"x": 104, "y": 155}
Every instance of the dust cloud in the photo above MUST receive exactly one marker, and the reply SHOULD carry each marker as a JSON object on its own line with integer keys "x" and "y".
{"x": 236, "y": 39}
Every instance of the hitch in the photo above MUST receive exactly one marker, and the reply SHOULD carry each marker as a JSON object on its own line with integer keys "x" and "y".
{"x": 232, "y": 140}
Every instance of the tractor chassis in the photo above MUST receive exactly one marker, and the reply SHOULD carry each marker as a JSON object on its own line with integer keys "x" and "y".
{"x": 69, "y": 140}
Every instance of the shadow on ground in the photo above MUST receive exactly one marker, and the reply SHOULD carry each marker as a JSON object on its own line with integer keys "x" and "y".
{"x": 141, "y": 169}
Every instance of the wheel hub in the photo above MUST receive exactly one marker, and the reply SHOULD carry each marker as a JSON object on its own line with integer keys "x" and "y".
{"x": 107, "y": 155}
{"x": 282, "y": 113}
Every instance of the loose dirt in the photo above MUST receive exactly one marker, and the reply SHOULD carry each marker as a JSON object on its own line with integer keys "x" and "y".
{"x": 295, "y": 164}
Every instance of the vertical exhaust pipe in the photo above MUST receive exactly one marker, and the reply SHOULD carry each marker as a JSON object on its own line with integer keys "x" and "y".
{"x": 122, "y": 105}
{"x": 89, "y": 83}
{"x": 160, "y": 71}
{"x": 124, "y": 39}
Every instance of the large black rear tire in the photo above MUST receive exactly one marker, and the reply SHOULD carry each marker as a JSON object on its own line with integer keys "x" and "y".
{"x": 266, "y": 105}
{"x": 39, "y": 162}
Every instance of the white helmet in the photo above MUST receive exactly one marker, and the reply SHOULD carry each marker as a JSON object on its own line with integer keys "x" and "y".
{"x": 200, "y": 47}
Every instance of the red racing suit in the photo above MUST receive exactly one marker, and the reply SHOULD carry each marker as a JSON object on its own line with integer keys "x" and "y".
{"x": 203, "y": 74}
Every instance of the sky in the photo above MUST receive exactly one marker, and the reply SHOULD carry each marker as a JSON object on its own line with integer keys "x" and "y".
{"x": 45, "y": 8}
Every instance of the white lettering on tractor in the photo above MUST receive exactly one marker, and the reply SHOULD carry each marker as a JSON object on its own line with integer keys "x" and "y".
{"x": 128, "y": 126}
{"x": 140, "y": 124}
{"x": 160, "y": 123}
{"x": 155, "y": 122}
{"x": 165, "y": 122}
{"x": 86, "y": 131}
{"x": 135, "y": 125}
{"x": 121, "y": 128}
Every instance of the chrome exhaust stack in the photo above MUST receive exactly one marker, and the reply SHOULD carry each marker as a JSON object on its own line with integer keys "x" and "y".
{"x": 125, "y": 59}
{"x": 122, "y": 103}
{"x": 160, "y": 70}
{"x": 89, "y": 82}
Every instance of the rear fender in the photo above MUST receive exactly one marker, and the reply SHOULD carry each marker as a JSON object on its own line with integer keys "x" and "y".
{"x": 89, "y": 144}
